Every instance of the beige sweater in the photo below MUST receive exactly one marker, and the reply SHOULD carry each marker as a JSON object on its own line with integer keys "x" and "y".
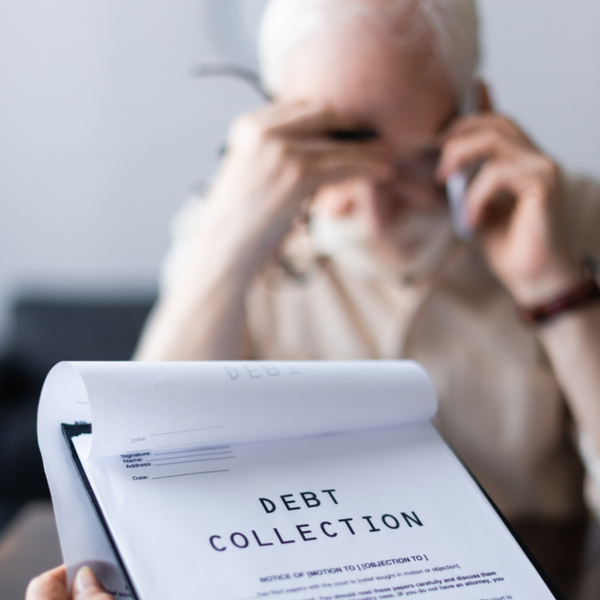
{"x": 500, "y": 405}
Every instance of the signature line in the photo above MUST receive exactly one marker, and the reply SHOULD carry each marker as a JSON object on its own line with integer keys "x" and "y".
{"x": 197, "y": 473}
{"x": 187, "y": 430}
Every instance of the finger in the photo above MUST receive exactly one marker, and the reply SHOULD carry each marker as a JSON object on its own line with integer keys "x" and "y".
{"x": 306, "y": 173}
{"x": 279, "y": 112}
{"x": 51, "y": 585}
{"x": 88, "y": 587}
{"x": 495, "y": 182}
{"x": 282, "y": 114}
{"x": 266, "y": 120}
{"x": 318, "y": 121}
{"x": 316, "y": 148}
{"x": 296, "y": 122}
{"x": 460, "y": 152}
{"x": 335, "y": 163}
{"x": 376, "y": 148}
{"x": 301, "y": 117}
{"x": 471, "y": 124}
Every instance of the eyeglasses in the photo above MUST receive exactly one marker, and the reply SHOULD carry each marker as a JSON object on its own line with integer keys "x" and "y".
{"x": 237, "y": 72}
{"x": 417, "y": 167}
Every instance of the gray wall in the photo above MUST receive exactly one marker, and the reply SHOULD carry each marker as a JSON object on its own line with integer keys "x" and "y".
{"x": 103, "y": 132}
{"x": 542, "y": 59}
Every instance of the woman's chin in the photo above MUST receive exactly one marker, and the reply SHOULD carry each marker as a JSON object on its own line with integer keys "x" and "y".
{"x": 409, "y": 250}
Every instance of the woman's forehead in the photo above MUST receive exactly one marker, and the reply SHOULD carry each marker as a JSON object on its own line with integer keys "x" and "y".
{"x": 401, "y": 93}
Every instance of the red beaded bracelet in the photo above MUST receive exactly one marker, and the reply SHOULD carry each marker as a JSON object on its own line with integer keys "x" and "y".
{"x": 584, "y": 293}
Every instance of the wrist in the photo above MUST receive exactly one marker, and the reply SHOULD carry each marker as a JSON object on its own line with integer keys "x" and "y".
{"x": 224, "y": 251}
{"x": 580, "y": 293}
{"x": 546, "y": 285}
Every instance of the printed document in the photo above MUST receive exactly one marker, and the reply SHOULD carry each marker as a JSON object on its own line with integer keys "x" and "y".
{"x": 296, "y": 480}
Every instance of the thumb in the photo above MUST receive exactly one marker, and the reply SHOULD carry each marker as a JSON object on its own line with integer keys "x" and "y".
{"x": 87, "y": 585}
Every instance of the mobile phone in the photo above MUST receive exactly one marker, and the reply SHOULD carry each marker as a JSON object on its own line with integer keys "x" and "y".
{"x": 456, "y": 191}
{"x": 458, "y": 183}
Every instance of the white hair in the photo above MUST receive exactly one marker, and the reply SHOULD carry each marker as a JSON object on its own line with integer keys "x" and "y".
{"x": 451, "y": 26}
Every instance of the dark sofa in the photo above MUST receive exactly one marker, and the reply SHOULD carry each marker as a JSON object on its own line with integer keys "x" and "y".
{"x": 44, "y": 331}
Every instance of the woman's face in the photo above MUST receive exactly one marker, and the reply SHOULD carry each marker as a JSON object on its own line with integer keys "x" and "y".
{"x": 406, "y": 99}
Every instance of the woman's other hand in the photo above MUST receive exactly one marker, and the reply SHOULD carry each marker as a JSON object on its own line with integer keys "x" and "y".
{"x": 52, "y": 585}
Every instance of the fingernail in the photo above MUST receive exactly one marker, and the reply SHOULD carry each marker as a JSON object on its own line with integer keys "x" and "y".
{"x": 85, "y": 579}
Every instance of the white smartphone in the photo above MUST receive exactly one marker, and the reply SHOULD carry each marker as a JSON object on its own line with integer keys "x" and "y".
{"x": 458, "y": 183}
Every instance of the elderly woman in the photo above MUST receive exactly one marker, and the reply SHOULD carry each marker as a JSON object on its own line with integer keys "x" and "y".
{"x": 507, "y": 325}
{"x": 327, "y": 235}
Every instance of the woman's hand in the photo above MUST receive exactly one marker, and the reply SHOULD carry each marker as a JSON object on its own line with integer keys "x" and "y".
{"x": 276, "y": 158}
{"x": 515, "y": 204}
{"x": 52, "y": 585}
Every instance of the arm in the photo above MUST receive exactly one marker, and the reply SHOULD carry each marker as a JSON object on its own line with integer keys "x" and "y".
{"x": 52, "y": 585}
{"x": 277, "y": 158}
{"x": 519, "y": 209}
{"x": 572, "y": 342}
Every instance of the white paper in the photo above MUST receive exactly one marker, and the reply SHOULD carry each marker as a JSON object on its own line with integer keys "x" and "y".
{"x": 182, "y": 454}
{"x": 82, "y": 539}
{"x": 159, "y": 405}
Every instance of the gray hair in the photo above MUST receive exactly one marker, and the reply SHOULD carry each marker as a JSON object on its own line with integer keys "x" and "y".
{"x": 451, "y": 26}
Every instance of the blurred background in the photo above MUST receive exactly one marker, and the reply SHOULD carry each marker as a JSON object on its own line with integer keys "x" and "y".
{"x": 103, "y": 131}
